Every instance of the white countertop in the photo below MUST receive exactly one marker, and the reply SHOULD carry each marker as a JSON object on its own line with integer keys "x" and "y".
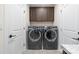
{"x": 71, "y": 48}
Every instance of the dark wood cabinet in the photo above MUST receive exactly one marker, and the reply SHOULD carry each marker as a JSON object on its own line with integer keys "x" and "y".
{"x": 40, "y": 14}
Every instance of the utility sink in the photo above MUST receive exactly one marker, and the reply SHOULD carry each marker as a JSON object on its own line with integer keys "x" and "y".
{"x": 71, "y": 49}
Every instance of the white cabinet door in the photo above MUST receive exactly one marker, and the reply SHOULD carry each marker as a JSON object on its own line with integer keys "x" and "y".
{"x": 14, "y": 25}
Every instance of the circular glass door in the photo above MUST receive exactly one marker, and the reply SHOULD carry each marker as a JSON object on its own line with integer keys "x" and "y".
{"x": 51, "y": 35}
{"x": 34, "y": 35}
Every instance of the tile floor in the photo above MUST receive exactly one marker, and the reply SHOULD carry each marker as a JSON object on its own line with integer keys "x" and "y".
{"x": 42, "y": 52}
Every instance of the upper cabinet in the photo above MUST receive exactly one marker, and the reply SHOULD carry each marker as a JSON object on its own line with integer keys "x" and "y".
{"x": 40, "y": 14}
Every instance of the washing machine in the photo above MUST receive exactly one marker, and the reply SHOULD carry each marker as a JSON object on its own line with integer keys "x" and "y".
{"x": 50, "y": 39}
{"x": 34, "y": 40}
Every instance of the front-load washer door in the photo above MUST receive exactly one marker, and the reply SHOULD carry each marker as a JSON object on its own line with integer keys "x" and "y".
{"x": 34, "y": 35}
{"x": 50, "y": 35}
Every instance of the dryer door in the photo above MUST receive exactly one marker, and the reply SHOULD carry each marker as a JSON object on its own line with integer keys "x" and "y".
{"x": 50, "y": 35}
{"x": 34, "y": 35}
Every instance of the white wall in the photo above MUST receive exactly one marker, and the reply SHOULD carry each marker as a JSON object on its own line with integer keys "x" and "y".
{"x": 27, "y": 16}
{"x": 56, "y": 15}
{"x": 27, "y": 23}
{"x": 41, "y": 23}
{"x": 57, "y": 22}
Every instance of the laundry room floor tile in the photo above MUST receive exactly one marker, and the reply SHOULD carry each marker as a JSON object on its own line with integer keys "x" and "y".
{"x": 42, "y": 52}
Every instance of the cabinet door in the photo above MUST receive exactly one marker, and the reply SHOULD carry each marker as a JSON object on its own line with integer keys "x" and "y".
{"x": 32, "y": 14}
{"x": 50, "y": 14}
{"x": 40, "y": 14}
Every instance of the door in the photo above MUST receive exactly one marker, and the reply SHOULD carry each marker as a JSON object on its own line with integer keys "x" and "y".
{"x": 68, "y": 23}
{"x": 69, "y": 13}
{"x": 15, "y": 26}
